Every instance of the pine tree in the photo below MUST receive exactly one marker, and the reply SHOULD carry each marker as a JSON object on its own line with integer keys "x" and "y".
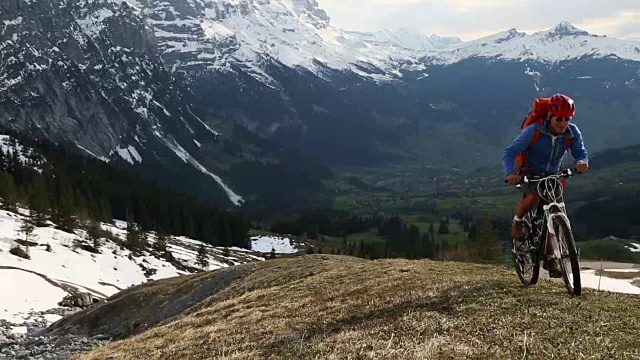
{"x": 465, "y": 226}
{"x": 414, "y": 248}
{"x": 81, "y": 207}
{"x": 444, "y": 227}
{"x": 8, "y": 191}
{"x": 208, "y": 234}
{"x": 310, "y": 250}
{"x": 189, "y": 225}
{"x": 360, "y": 248}
{"x": 202, "y": 259}
{"x": 27, "y": 228}
{"x": 64, "y": 213}
{"x": 160, "y": 245}
{"x": 487, "y": 241}
{"x": 93, "y": 234}
{"x": 429, "y": 246}
{"x": 444, "y": 246}
{"x": 143, "y": 240}
{"x": 312, "y": 232}
{"x": 105, "y": 210}
{"x": 39, "y": 202}
{"x": 133, "y": 237}
{"x": 226, "y": 238}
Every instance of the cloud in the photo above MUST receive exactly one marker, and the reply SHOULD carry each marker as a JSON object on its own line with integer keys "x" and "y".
{"x": 624, "y": 25}
{"x": 470, "y": 19}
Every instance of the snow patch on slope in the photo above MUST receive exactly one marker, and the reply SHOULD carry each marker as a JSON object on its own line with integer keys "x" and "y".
{"x": 405, "y": 38}
{"x": 25, "y": 292}
{"x": 37, "y": 284}
{"x": 129, "y": 154}
{"x": 278, "y": 244}
{"x": 93, "y": 23}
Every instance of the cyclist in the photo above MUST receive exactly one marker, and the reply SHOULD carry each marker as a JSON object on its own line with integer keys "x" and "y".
{"x": 554, "y": 136}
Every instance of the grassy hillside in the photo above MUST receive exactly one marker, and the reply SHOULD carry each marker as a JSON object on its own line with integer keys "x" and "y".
{"x": 327, "y": 306}
{"x": 610, "y": 250}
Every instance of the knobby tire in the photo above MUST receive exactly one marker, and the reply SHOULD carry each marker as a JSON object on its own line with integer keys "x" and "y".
{"x": 561, "y": 227}
{"x": 533, "y": 252}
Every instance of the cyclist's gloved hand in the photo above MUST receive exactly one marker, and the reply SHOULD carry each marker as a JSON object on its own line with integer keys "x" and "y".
{"x": 513, "y": 179}
{"x": 582, "y": 167}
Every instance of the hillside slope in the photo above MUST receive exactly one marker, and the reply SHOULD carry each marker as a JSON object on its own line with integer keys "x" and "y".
{"x": 324, "y": 306}
{"x": 63, "y": 263}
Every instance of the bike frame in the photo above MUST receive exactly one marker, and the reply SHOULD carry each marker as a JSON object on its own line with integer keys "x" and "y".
{"x": 550, "y": 216}
{"x": 552, "y": 201}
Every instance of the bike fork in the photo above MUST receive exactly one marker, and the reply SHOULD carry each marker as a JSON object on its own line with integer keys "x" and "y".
{"x": 551, "y": 233}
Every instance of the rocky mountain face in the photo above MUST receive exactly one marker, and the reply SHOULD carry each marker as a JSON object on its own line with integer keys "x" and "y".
{"x": 90, "y": 72}
{"x": 253, "y": 101}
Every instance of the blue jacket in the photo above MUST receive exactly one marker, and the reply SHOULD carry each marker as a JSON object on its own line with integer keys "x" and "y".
{"x": 546, "y": 155}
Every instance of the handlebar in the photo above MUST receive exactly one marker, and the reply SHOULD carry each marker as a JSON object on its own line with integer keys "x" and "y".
{"x": 535, "y": 178}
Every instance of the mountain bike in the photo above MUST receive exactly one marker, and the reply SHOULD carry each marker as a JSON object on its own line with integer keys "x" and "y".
{"x": 549, "y": 217}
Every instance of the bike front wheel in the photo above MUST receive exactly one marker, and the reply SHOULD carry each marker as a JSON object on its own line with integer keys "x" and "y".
{"x": 569, "y": 263}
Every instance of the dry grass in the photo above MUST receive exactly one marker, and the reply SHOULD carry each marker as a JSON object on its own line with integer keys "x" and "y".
{"x": 338, "y": 307}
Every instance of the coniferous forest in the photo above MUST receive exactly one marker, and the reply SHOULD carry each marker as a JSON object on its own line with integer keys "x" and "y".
{"x": 398, "y": 238}
{"x": 59, "y": 185}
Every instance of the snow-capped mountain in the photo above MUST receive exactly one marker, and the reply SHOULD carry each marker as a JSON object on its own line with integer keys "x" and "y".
{"x": 280, "y": 69}
{"x": 302, "y": 82}
{"x": 223, "y": 35}
{"x": 563, "y": 42}
{"x": 187, "y": 90}
{"x": 405, "y": 38}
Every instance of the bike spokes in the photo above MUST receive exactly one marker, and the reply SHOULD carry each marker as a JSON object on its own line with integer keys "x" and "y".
{"x": 568, "y": 257}
{"x": 565, "y": 260}
{"x": 525, "y": 257}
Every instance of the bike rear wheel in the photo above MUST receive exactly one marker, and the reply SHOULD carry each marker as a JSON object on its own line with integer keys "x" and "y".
{"x": 569, "y": 263}
{"x": 525, "y": 256}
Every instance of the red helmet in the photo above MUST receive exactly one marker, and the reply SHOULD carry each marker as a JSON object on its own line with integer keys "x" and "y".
{"x": 561, "y": 105}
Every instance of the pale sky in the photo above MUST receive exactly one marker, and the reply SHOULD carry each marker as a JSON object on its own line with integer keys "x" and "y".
{"x": 471, "y": 19}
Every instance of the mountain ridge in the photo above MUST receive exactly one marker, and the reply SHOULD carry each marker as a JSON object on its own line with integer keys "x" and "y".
{"x": 194, "y": 87}
{"x": 562, "y": 42}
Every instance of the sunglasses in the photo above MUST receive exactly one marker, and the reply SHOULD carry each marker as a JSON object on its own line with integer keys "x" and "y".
{"x": 562, "y": 119}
